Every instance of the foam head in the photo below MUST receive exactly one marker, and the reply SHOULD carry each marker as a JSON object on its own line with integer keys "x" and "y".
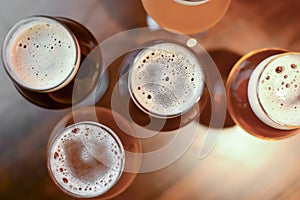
{"x": 166, "y": 79}
{"x": 191, "y": 2}
{"x": 41, "y": 54}
{"x": 274, "y": 91}
{"x": 86, "y": 159}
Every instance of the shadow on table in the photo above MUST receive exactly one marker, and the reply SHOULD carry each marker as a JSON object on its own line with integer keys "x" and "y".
{"x": 224, "y": 59}
{"x": 129, "y": 13}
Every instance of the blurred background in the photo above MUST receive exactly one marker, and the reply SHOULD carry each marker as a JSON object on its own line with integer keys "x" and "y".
{"x": 239, "y": 167}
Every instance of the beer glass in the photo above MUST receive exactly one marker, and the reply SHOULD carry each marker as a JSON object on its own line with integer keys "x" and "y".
{"x": 87, "y": 154}
{"x": 165, "y": 83}
{"x": 53, "y": 61}
{"x": 185, "y": 16}
{"x": 263, "y": 93}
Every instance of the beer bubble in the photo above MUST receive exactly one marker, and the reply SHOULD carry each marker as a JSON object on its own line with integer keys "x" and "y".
{"x": 55, "y": 155}
{"x": 279, "y": 69}
{"x": 293, "y": 66}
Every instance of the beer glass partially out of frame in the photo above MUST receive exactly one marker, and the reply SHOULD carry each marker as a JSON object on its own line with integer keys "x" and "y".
{"x": 185, "y": 16}
{"x": 263, "y": 93}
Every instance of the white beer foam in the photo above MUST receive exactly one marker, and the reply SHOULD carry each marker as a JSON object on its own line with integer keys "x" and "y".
{"x": 42, "y": 53}
{"x": 274, "y": 91}
{"x": 86, "y": 159}
{"x": 191, "y": 2}
{"x": 166, "y": 79}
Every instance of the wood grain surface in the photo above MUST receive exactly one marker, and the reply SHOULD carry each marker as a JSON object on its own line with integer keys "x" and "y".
{"x": 239, "y": 167}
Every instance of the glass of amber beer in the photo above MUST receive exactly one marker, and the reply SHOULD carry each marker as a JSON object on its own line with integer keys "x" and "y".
{"x": 88, "y": 154}
{"x": 186, "y": 16}
{"x": 263, "y": 93}
{"x": 53, "y": 62}
{"x": 165, "y": 83}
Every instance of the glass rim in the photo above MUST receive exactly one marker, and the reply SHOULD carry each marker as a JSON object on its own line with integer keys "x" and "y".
{"x": 273, "y": 58}
{"x": 92, "y": 123}
{"x": 131, "y": 90}
{"x": 191, "y": 3}
{"x": 9, "y": 66}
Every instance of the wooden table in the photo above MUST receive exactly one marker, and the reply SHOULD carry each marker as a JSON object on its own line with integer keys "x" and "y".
{"x": 239, "y": 167}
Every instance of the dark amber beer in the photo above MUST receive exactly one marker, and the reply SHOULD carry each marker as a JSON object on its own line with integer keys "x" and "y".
{"x": 263, "y": 93}
{"x": 47, "y": 59}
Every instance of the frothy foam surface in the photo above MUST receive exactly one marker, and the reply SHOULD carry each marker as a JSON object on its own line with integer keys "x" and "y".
{"x": 86, "y": 159}
{"x": 41, "y": 53}
{"x": 191, "y": 2}
{"x": 278, "y": 91}
{"x": 166, "y": 79}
